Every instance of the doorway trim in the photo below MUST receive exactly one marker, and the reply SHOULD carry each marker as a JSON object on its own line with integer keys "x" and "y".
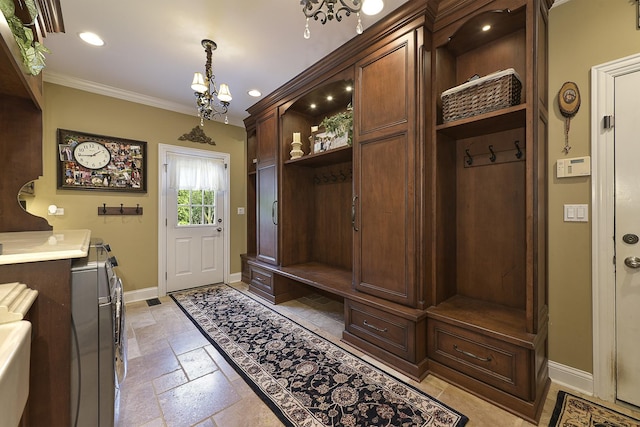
{"x": 163, "y": 149}
{"x": 603, "y": 221}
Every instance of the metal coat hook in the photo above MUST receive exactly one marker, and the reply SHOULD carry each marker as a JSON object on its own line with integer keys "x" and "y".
{"x": 492, "y": 157}
{"x": 121, "y": 208}
{"x": 104, "y": 208}
{"x": 519, "y": 152}
{"x": 469, "y": 158}
{"x": 137, "y": 208}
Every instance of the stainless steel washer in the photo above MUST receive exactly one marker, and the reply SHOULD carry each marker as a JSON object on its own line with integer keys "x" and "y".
{"x": 98, "y": 352}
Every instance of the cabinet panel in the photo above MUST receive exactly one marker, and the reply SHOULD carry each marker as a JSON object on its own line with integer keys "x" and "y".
{"x": 385, "y": 224}
{"x": 267, "y": 214}
{"x": 261, "y": 279}
{"x": 385, "y": 86}
{"x": 394, "y": 334}
{"x": 267, "y": 187}
{"x": 495, "y": 362}
{"x": 267, "y": 137}
{"x": 385, "y": 163}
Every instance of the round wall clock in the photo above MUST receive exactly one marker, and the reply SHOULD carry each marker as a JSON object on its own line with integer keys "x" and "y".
{"x": 92, "y": 155}
{"x": 569, "y": 99}
{"x": 569, "y": 104}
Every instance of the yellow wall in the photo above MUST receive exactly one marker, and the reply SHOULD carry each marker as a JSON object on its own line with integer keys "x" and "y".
{"x": 134, "y": 239}
{"x": 582, "y": 34}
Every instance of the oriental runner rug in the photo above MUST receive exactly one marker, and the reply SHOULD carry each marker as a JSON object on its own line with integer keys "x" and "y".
{"x": 574, "y": 411}
{"x": 305, "y": 379}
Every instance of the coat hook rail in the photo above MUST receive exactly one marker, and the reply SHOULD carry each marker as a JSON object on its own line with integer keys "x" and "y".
{"x": 332, "y": 176}
{"x": 493, "y": 155}
{"x": 119, "y": 210}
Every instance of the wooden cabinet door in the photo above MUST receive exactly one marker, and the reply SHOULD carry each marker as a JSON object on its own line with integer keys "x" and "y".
{"x": 385, "y": 159}
{"x": 267, "y": 188}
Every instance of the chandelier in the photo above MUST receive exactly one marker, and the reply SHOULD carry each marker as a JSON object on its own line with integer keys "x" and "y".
{"x": 327, "y": 10}
{"x": 210, "y": 100}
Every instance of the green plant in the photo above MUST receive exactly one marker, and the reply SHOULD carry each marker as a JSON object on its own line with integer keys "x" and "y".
{"x": 340, "y": 124}
{"x": 32, "y": 51}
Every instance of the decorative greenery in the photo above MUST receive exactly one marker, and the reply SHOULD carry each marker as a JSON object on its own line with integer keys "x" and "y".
{"x": 340, "y": 123}
{"x": 32, "y": 51}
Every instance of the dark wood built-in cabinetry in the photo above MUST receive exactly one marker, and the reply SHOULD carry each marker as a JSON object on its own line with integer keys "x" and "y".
{"x": 21, "y": 104}
{"x": 432, "y": 231}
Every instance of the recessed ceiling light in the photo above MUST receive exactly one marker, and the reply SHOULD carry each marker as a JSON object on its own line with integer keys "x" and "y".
{"x": 348, "y": 88}
{"x": 91, "y": 38}
{"x": 255, "y": 93}
{"x": 329, "y": 98}
{"x": 312, "y": 106}
{"x": 486, "y": 28}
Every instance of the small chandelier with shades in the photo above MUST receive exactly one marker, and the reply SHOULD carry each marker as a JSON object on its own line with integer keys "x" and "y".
{"x": 327, "y": 10}
{"x": 210, "y": 100}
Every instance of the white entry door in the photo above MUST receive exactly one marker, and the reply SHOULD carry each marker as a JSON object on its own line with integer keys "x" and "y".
{"x": 195, "y": 222}
{"x": 627, "y": 234}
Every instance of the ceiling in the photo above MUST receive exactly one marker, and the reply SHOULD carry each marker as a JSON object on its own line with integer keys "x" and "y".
{"x": 153, "y": 48}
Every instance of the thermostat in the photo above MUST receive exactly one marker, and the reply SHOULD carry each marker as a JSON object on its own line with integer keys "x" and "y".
{"x": 578, "y": 166}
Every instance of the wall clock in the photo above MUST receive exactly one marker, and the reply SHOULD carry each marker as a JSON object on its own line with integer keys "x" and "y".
{"x": 92, "y": 155}
{"x": 569, "y": 104}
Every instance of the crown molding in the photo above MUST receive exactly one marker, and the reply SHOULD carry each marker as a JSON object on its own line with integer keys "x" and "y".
{"x": 89, "y": 86}
{"x": 92, "y": 87}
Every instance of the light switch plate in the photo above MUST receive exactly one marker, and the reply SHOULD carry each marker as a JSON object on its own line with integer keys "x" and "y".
{"x": 576, "y": 213}
{"x": 240, "y": 211}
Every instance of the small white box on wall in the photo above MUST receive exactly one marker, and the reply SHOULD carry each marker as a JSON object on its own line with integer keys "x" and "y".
{"x": 578, "y": 166}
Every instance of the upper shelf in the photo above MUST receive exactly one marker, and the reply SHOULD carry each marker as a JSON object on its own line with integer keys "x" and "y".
{"x": 483, "y": 124}
{"x": 325, "y": 158}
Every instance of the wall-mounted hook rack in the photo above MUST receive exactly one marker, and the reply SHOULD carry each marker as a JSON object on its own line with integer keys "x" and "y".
{"x": 332, "y": 175}
{"x": 493, "y": 154}
{"x": 119, "y": 210}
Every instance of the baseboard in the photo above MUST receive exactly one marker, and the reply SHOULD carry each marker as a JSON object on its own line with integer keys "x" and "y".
{"x": 148, "y": 293}
{"x": 571, "y": 377}
{"x": 140, "y": 295}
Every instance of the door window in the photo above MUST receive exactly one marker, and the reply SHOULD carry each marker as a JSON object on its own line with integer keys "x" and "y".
{"x": 196, "y": 207}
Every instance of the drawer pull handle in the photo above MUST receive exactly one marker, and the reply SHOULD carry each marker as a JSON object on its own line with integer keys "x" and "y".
{"x": 259, "y": 279}
{"x": 375, "y": 328}
{"x": 466, "y": 353}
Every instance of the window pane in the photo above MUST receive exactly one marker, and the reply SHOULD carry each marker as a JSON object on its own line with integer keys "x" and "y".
{"x": 196, "y": 197}
{"x": 183, "y": 197}
{"x": 196, "y": 215}
{"x": 209, "y": 215}
{"x": 183, "y": 215}
{"x": 208, "y": 197}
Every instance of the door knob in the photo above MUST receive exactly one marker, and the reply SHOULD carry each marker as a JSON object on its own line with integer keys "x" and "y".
{"x": 219, "y": 228}
{"x": 632, "y": 262}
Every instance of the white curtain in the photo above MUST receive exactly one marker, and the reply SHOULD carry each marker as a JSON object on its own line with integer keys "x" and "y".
{"x": 195, "y": 173}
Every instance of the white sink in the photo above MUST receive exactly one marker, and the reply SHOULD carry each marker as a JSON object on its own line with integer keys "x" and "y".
{"x": 15, "y": 355}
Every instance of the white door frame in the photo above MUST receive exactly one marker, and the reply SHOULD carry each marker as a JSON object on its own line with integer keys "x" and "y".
{"x": 163, "y": 149}
{"x": 603, "y": 221}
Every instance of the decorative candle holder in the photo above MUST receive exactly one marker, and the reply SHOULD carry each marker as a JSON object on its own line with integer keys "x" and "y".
{"x": 296, "y": 152}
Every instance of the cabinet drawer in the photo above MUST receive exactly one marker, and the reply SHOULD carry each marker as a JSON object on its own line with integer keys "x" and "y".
{"x": 262, "y": 279}
{"x": 391, "y": 333}
{"x": 500, "y": 364}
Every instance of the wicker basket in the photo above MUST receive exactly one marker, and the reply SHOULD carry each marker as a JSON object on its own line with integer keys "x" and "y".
{"x": 489, "y": 93}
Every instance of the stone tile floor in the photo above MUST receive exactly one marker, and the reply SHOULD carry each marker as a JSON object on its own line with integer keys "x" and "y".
{"x": 177, "y": 378}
